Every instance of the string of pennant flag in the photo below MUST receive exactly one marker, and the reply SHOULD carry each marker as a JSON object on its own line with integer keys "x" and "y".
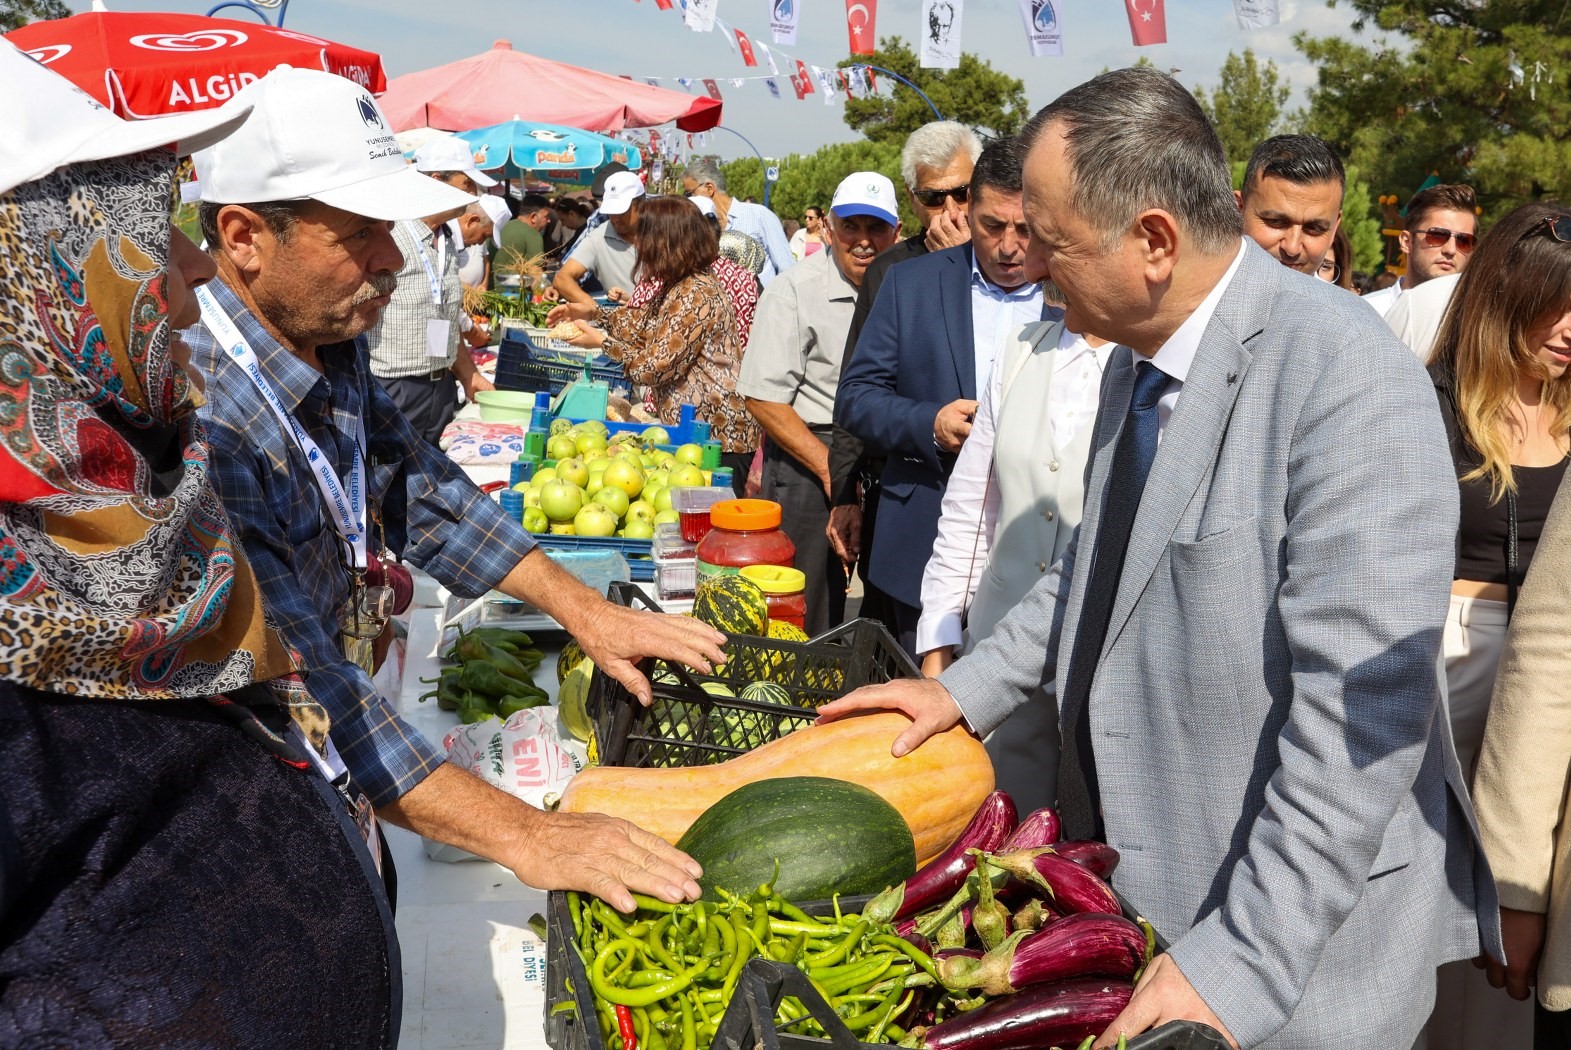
{"x": 939, "y": 33}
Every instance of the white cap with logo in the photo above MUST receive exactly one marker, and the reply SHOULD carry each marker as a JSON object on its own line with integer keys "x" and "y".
{"x": 321, "y": 136}
{"x": 52, "y": 123}
{"x": 497, "y": 209}
{"x": 621, "y": 190}
{"x": 867, "y": 193}
{"x": 450, "y": 153}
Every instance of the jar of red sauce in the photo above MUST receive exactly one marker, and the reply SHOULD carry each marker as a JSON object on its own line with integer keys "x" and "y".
{"x": 743, "y": 532}
{"x": 783, "y": 589}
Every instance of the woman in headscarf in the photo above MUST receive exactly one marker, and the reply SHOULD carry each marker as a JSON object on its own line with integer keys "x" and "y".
{"x": 175, "y": 869}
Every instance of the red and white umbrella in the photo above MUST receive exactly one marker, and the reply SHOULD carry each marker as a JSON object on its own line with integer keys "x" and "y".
{"x": 145, "y": 64}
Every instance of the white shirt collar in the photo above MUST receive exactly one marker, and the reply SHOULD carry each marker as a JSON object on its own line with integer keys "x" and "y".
{"x": 1072, "y": 347}
{"x": 979, "y": 280}
{"x": 1176, "y": 355}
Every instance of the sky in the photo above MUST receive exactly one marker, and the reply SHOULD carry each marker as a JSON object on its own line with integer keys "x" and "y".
{"x": 635, "y": 37}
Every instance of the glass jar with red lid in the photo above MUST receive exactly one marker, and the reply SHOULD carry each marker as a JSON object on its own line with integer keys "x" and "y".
{"x": 783, "y": 590}
{"x": 744, "y": 532}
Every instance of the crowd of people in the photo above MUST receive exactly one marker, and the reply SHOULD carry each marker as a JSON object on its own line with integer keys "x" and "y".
{"x": 1166, "y": 510}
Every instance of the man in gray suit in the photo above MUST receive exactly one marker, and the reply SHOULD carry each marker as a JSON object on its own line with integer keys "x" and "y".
{"x": 1248, "y": 623}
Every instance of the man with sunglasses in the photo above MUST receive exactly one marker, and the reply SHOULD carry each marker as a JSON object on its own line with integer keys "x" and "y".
{"x": 1438, "y": 238}
{"x": 703, "y": 178}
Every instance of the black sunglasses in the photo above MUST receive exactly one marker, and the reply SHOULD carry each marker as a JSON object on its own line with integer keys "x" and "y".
{"x": 1559, "y": 227}
{"x": 1437, "y": 236}
{"x": 935, "y": 198}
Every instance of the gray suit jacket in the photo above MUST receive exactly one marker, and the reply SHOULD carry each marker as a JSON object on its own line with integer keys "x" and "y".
{"x": 1266, "y": 712}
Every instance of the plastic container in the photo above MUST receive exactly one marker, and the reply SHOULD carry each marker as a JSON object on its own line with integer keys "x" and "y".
{"x": 512, "y": 503}
{"x": 521, "y": 469}
{"x": 676, "y": 573}
{"x": 692, "y": 505}
{"x": 743, "y": 532}
{"x": 783, "y": 589}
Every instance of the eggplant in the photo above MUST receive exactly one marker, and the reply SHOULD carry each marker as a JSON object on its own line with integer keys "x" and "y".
{"x": 1076, "y": 946}
{"x": 1073, "y": 889}
{"x": 989, "y": 916}
{"x": 1033, "y": 915}
{"x": 915, "y": 939}
{"x": 1043, "y": 1015}
{"x": 974, "y": 954}
{"x": 1098, "y": 858}
{"x": 1040, "y": 828}
{"x": 993, "y": 821}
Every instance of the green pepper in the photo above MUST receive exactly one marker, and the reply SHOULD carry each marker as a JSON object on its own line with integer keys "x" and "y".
{"x": 448, "y": 692}
{"x": 482, "y": 677}
{"x": 511, "y": 705}
{"x": 474, "y": 709}
{"x": 471, "y": 649}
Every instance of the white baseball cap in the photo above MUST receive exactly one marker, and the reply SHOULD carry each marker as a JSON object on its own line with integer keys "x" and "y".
{"x": 705, "y": 206}
{"x": 497, "y": 209}
{"x": 866, "y": 193}
{"x": 52, "y": 123}
{"x": 621, "y": 190}
{"x": 316, "y": 135}
{"x": 451, "y": 153}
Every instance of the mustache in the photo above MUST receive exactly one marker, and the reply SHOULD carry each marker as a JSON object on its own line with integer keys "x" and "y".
{"x": 376, "y": 286}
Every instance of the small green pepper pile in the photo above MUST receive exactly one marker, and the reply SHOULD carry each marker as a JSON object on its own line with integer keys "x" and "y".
{"x": 665, "y": 975}
{"x": 493, "y": 676}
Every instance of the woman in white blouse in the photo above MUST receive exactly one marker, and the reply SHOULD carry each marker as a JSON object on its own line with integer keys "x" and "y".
{"x": 1009, "y": 510}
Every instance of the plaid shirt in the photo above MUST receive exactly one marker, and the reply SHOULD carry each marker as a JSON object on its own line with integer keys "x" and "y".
{"x": 433, "y": 516}
{"x": 397, "y": 343}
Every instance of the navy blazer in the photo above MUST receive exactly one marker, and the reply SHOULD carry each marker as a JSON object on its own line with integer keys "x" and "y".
{"x": 915, "y": 355}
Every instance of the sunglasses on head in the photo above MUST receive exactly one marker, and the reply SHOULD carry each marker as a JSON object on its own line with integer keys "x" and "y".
{"x": 1559, "y": 227}
{"x": 935, "y": 198}
{"x": 1437, "y": 236}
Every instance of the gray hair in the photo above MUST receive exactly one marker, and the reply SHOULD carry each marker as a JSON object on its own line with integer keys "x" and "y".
{"x": 934, "y": 145}
{"x": 278, "y": 216}
{"x": 702, "y": 171}
{"x": 1136, "y": 139}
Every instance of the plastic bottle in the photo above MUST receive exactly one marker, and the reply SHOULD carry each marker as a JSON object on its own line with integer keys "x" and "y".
{"x": 783, "y": 589}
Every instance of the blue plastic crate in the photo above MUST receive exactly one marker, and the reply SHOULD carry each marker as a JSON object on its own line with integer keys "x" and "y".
{"x": 522, "y": 365}
{"x": 639, "y": 553}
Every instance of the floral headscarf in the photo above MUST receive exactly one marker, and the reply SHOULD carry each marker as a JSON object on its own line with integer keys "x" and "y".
{"x": 111, "y": 586}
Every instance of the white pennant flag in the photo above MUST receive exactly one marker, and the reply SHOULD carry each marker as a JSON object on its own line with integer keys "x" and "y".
{"x": 769, "y": 56}
{"x": 725, "y": 31}
{"x": 774, "y": 88}
{"x": 940, "y": 33}
{"x": 1256, "y": 14}
{"x": 1043, "y": 31}
{"x": 782, "y": 21}
{"x": 686, "y": 82}
{"x": 700, "y": 15}
{"x": 737, "y": 82}
{"x": 826, "y": 84}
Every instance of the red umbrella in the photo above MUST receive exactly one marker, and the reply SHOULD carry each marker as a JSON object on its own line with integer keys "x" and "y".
{"x": 143, "y": 64}
{"x": 502, "y": 84}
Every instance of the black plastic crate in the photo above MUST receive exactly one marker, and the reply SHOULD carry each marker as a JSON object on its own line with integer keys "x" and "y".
{"x": 521, "y": 365}
{"x": 748, "y": 1023}
{"x": 687, "y": 726}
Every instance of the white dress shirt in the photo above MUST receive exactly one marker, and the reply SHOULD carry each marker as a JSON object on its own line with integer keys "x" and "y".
{"x": 1176, "y": 355}
{"x": 997, "y": 315}
{"x": 971, "y": 500}
{"x": 1384, "y": 299}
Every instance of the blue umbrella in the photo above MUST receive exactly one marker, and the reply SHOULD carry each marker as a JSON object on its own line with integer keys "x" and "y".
{"x": 519, "y": 146}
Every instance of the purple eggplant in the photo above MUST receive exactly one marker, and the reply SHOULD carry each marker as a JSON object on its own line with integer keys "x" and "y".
{"x": 1061, "y": 1014}
{"x": 1076, "y": 946}
{"x": 915, "y": 939}
{"x": 1098, "y": 858}
{"x": 1073, "y": 889}
{"x": 1040, "y": 828}
{"x": 938, "y": 881}
{"x": 974, "y": 954}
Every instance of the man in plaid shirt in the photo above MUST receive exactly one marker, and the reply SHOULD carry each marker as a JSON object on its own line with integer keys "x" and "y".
{"x": 297, "y": 212}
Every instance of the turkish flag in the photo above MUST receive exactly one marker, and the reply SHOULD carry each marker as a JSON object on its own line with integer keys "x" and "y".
{"x": 860, "y": 15}
{"x": 664, "y": 5}
{"x": 713, "y": 89}
{"x": 804, "y": 80}
{"x": 1147, "y": 21}
{"x": 748, "y": 58}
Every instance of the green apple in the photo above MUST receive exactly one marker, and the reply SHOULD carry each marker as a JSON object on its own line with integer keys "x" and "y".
{"x": 560, "y": 426}
{"x": 638, "y": 529}
{"x": 594, "y": 426}
{"x": 561, "y": 447}
{"x": 532, "y": 498}
{"x": 543, "y": 477}
{"x": 561, "y": 500}
{"x": 664, "y": 459}
{"x": 573, "y": 470}
{"x": 667, "y": 515}
{"x": 590, "y": 442}
{"x": 595, "y": 485}
{"x": 655, "y": 436}
{"x": 687, "y": 477}
{"x": 662, "y": 501}
{"x": 612, "y": 499}
{"x": 690, "y": 454}
{"x": 623, "y": 475}
{"x": 522, "y": 486}
{"x": 535, "y": 519}
{"x": 562, "y": 528}
{"x": 594, "y": 520}
{"x": 643, "y": 510}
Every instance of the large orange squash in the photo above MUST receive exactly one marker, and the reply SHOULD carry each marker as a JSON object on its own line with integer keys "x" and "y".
{"x": 936, "y": 788}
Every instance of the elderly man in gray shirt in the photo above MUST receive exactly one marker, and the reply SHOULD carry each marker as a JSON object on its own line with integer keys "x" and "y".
{"x": 792, "y": 369}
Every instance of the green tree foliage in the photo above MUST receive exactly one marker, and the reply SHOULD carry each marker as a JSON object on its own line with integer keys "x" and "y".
{"x": 810, "y": 179}
{"x": 1472, "y": 92}
{"x": 974, "y": 93}
{"x": 17, "y": 13}
{"x": 1246, "y": 106}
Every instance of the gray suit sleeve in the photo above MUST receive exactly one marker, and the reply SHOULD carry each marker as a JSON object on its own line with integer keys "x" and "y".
{"x": 1371, "y": 514}
{"x": 1021, "y": 654}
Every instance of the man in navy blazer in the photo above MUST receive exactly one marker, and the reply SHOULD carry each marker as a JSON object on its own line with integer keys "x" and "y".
{"x": 910, "y": 387}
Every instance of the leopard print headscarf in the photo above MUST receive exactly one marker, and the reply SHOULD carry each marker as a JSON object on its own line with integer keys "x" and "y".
{"x": 108, "y": 588}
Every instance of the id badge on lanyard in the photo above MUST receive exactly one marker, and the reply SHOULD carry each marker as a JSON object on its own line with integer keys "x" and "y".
{"x": 438, "y": 330}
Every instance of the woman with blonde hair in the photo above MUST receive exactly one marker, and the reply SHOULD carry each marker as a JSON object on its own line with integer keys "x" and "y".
{"x": 1499, "y": 366}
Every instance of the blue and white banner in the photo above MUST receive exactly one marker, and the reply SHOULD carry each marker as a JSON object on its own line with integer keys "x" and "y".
{"x": 1044, "y": 33}
{"x": 783, "y": 15}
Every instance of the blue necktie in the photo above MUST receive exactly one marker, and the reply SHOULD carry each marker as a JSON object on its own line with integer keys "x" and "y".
{"x": 1079, "y": 795}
